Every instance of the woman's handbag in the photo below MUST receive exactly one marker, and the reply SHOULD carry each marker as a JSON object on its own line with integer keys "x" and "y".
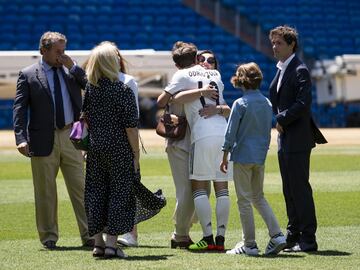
{"x": 171, "y": 126}
{"x": 79, "y": 135}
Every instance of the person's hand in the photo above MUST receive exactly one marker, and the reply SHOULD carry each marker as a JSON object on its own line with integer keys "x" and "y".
{"x": 84, "y": 155}
{"x": 224, "y": 166}
{"x": 137, "y": 161}
{"x": 279, "y": 128}
{"x": 66, "y": 61}
{"x": 23, "y": 148}
{"x": 136, "y": 165}
{"x": 210, "y": 92}
{"x": 208, "y": 110}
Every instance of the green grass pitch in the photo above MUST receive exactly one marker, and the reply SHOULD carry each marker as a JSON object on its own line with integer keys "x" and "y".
{"x": 335, "y": 178}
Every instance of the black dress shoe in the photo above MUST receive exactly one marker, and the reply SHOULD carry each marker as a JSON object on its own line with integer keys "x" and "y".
{"x": 50, "y": 244}
{"x": 89, "y": 243}
{"x": 303, "y": 247}
{"x": 289, "y": 245}
{"x": 308, "y": 247}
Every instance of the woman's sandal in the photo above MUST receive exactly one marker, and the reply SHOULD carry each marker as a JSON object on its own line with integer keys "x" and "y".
{"x": 98, "y": 251}
{"x": 115, "y": 253}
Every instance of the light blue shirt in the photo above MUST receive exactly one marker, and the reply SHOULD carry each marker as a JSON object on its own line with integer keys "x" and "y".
{"x": 248, "y": 131}
{"x": 68, "y": 110}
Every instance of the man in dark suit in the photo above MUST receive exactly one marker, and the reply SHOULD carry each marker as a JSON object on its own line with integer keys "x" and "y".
{"x": 48, "y": 100}
{"x": 290, "y": 95}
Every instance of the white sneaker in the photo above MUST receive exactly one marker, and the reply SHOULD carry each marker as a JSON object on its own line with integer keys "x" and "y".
{"x": 128, "y": 240}
{"x": 240, "y": 248}
{"x": 276, "y": 244}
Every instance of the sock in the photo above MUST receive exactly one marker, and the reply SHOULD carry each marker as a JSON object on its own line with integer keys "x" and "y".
{"x": 222, "y": 211}
{"x": 203, "y": 210}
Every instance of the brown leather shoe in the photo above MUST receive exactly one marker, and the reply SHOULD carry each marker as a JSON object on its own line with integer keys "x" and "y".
{"x": 181, "y": 244}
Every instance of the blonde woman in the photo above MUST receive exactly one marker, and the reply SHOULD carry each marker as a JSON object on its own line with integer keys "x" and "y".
{"x": 113, "y": 156}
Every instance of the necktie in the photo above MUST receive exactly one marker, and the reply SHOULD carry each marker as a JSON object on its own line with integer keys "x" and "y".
{"x": 59, "y": 106}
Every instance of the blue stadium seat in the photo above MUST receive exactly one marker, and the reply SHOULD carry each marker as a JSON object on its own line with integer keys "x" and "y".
{"x": 326, "y": 28}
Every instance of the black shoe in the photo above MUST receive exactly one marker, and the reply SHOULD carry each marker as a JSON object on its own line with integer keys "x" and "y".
{"x": 303, "y": 247}
{"x": 50, "y": 244}
{"x": 89, "y": 243}
{"x": 308, "y": 247}
{"x": 290, "y": 245}
{"x": 292, "y": 239}
{"x": 180, "y": 244}
{"x": 220, "y": 242}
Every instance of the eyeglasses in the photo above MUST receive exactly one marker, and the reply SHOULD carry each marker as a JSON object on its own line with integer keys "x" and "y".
{"x": 201, "y": 59}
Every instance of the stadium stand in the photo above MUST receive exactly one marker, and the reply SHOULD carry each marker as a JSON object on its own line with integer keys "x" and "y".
{"x": 327, "y": 28}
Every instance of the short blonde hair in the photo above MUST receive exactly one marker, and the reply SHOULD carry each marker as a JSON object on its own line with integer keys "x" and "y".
{"x": 103, "y": 62}
{"x": 247, "y": 76}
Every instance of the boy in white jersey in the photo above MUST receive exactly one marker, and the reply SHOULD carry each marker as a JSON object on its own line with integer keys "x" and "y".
{"x": 207, "y": 135}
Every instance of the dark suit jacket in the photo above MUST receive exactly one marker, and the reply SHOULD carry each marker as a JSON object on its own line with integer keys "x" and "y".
{"x": 33, "y": 111}
{"x": 292, "y": 107}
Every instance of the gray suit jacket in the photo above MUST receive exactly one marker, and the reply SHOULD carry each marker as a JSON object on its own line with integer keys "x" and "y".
{"x": 33, "y": 111}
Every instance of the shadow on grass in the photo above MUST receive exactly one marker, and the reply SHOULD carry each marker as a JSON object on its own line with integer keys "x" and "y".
{"x": 281, "y": 255}
{"x": 145, "y": 246}
{"x": 206, "y": 251}
{"x": 63, "y": 248}
{"x": 330, "y": 253}
{"x": 139, "y": 258}
{"x": 149, "y": 258}
{"x": 302, "y": 254}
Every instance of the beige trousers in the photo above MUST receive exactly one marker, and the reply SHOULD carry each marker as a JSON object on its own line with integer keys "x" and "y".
{"x": 184, "y": 209}
{"x": 249, "y": 186}
{"x": 45, "y": 170}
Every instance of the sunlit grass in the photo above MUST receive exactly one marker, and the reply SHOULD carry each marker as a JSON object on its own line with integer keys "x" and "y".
{"x": 335, "y": 178}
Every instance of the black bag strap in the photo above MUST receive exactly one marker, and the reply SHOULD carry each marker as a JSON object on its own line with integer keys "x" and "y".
{"x": 202, "y": 99}
{"x": 142, "y": 145}
{"x": 214, "y": 84}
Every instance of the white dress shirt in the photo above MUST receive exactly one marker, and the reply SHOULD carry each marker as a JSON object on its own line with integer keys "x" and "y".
{"x": 282, "y": 66}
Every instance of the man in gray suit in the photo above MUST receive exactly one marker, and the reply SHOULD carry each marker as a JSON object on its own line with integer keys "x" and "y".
{"x": 48, "y": 100}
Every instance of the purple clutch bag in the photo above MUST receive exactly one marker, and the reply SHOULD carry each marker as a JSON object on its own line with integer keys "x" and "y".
{"x": 79, "y": 135}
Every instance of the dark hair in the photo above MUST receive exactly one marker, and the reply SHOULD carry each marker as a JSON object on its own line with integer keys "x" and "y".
{"x": 184, "y": 54}
{"x": 288, "y": 33}
{"x": 210, "y": 52}
{"x": 49, "y": 38}
{"x": 247, "y": 76}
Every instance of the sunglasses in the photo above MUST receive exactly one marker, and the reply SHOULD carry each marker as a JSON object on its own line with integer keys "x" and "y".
{"x": 201, "y": 59}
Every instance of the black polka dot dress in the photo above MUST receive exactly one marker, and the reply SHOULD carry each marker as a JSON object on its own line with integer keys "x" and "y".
{"x": 148, "y": 204}
{"x": 110, "y": 201}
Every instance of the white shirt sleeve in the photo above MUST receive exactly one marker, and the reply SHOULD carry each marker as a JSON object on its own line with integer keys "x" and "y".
{"x": 221, "y": 93}
{"x": 130, "y": 81}
{"x": 134, "y": 87}
{"x": 176, "y": 84}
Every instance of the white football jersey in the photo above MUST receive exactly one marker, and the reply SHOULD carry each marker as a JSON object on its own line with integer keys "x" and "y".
{"x": 197, "y": 77}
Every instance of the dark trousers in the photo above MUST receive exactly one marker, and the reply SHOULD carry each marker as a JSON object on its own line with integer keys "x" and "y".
{"x": 300, "y": 208}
